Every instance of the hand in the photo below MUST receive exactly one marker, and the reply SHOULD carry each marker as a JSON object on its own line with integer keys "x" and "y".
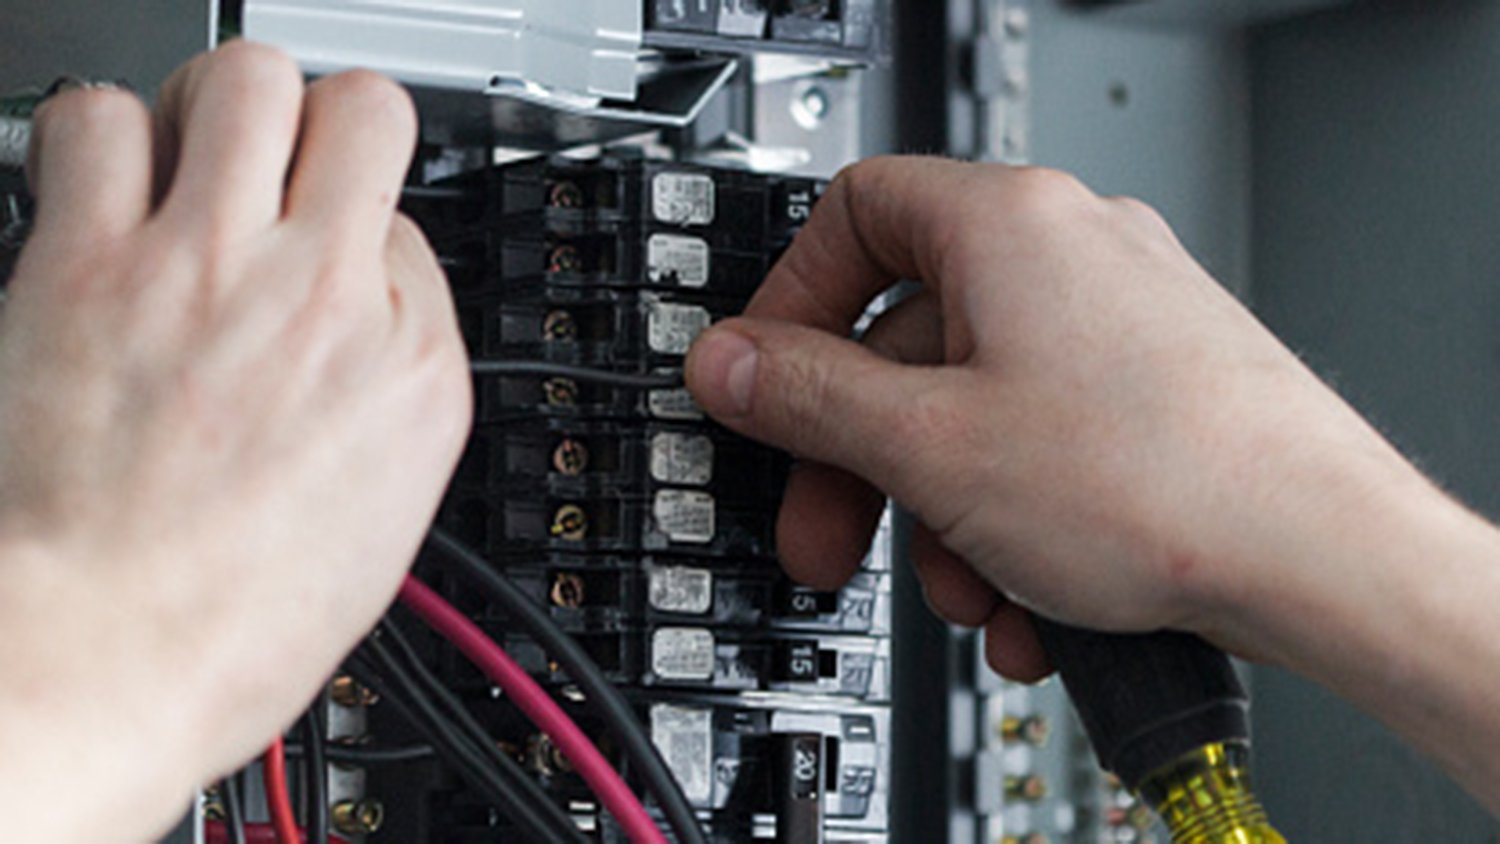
{"x": 232, "y": 390}
{"x": 1085, "y": 424}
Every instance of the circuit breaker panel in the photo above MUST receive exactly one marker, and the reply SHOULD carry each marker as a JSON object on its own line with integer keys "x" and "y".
{"x": 585, "y": 256}
{"x": 645, "y": 530}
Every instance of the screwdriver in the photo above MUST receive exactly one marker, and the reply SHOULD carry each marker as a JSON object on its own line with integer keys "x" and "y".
{"x": 15, "y": 127}
{"x": 15, "y": 140}
{"x": 1167, "y": 714}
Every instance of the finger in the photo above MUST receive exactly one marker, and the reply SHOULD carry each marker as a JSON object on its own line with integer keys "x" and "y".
{"x": 910, "y": 332}
{"x": 418, "y": 290}
{"x": 91, "y": 164}
{"x": 1012, "y": 648}
{"x": 833, "y": 401}
{"x": 954, "y": 590}
{"x": 828, "y": 517}
{"x": 359, "y": 132}
{"x": 881, "y": 221}
{"x": 228, "y": 124}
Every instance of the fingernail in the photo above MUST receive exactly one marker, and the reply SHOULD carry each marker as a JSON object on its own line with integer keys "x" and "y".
{"x": 724, "y": 366}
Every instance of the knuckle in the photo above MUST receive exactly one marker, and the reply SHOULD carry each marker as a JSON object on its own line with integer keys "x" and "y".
{"x": 800, "y": 388}
{"x": 253, "y": 70}
{"x": 1140, "y": 212}
{"x": 373, "y": 94}
{"x": 1135, "y": 207}
{"x": 940, "y": 432}
{"x": 1044, "y": 193}
{"x": 865, "y": 180}
{"x": 91, "y": 110}
{"x": 405, "y": 234}
{"x": 442, "y": 364}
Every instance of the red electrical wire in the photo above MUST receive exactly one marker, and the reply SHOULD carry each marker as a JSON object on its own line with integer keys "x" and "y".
{"x": 216, "y": 832}
{"x": 278, "y": 797}
{"x": 538, "y": 706}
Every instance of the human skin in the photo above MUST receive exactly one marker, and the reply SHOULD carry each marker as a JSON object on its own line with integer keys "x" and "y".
{"x": 232, "y": 390}
{"x": 1088, "y": 427}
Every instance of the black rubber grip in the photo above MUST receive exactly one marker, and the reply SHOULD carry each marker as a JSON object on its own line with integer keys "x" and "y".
{"x": 1147, "y": 700}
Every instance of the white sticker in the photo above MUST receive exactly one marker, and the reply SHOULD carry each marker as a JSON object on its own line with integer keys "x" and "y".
{"x": 677, "y": 260}
{"x": 683, "y": 653}
{"x": 671, "y": 329}
{"x": 682, "y": 590}
{"x": 685, "y": 516}
{"x": 685, "y": 738}
{"x": 684, "y": 199}
{"x": 682, "y": 459}
{"x": 674, "y": 404}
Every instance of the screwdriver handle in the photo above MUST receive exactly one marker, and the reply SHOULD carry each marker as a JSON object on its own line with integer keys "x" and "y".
{"x": 1147, "y": 700}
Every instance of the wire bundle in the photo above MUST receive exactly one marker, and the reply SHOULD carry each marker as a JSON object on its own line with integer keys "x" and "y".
{"x": 388, "y": 664}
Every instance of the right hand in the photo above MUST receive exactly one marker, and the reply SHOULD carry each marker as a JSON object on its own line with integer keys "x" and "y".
{"x": 1084, "y": 422}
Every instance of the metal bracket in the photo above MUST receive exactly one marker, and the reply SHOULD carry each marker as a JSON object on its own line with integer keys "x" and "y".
{"x": 586, "y": 48}
{"x": 1000, "y": 80}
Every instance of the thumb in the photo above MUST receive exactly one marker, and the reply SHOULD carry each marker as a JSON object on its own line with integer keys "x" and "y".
{"x": 825, "y": 398}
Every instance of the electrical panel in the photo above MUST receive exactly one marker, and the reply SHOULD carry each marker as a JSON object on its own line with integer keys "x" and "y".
{"x": 602, "y": 182}
{"x": 645, "y": 530}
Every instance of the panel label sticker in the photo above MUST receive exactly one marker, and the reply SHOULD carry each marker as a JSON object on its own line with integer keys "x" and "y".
{"x": 677, "y": 260}
{"x": 671, "y": 329}
{"x": 674, "y": 404}
{"x": 682, "y": 590}
{"x": 684, "y": 199}
{"x": 682, "y": 459}
{"x": 684, "y": 735}
{"x": 683, "y": 653}
{"x": 685, "y": 516}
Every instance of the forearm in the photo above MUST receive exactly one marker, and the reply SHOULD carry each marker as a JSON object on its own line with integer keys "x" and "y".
{"x": 1384, "y": 590}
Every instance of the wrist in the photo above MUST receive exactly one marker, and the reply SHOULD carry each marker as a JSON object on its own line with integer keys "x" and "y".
{"x": 75, "y": 717}
{"x": 1315, "y": 542}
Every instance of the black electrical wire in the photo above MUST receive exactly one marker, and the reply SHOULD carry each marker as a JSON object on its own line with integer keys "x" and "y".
{"x": 315, "y": 773}
{"x": 625, "y": 380}
{"x": 502, "y": 782}
{"x": 364, "y": 757}
{"x": 457, "y": 712}
{"x": 429, "y": 685}
{"x": 453, "y": 748}
{"x": 606, "y": 700}
{"x": 429, "y": 192}
{"x": 234, "y": 809}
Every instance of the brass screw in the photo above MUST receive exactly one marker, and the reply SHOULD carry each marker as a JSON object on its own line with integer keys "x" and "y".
{"x": 546, "y": 757}
{"x": 561, "y": 392}
{"x": 1141, "y": 818}
{"x": 560, "y": 326}
{"x": 570, "y": 523}
{"x": 568, "y": 591}
{"x": 347, "y": 692}
{"x": 570, "y": 458}
{"x": 565, "y": 259}
{"x": 1035, "y": 731}
{"x": 358, "y": 818}
{"x": 565, "y": 195}
{"x": 1029, "y": 788}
